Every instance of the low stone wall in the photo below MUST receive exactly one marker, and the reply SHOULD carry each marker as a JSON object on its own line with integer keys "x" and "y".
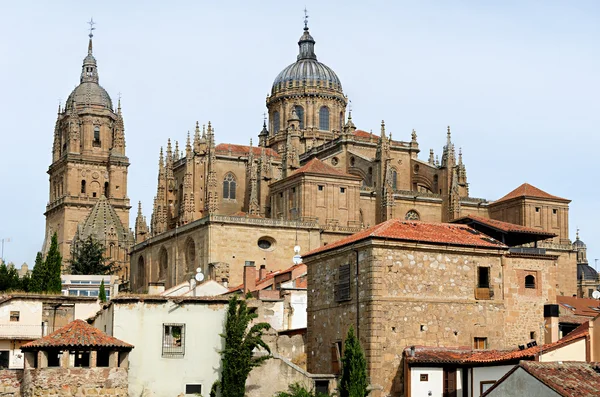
{"x": 100, "y": 382}
{"x": 10, "y": 382}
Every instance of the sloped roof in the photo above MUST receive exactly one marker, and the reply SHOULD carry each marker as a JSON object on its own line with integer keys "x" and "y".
{"x": 527, "y": 190}
{"x": 77, "y": 334}
{"x": 316, "y": 166}
{"x": 568, "y": 379}
{"x": 102, "y": 222}
{"x": 264, "y": 282}
{"x": 504, "y": 226}
{"x": 243, "y": 150}
{"x": 364, "y": 134}
{"x": 465, "y": 355}
{"x": 579, "y": 306}
{"x": 424, "y": 232}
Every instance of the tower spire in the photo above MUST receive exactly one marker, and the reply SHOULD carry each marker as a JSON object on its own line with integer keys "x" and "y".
{"x": 89, "y": 72}
{"x": 91, "y": 34}
{"x": 306, "y": 43}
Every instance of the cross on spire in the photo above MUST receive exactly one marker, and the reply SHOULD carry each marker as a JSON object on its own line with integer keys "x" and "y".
{"x": 92, "y": 28}
{"x": 264, "y": 116}
{"x": 305, "y": 19}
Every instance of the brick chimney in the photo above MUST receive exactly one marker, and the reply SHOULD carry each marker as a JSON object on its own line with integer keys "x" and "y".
{"x": 551, "y": 320}
{"x": 249, "y": 276}
{"x": 262, "y": 273}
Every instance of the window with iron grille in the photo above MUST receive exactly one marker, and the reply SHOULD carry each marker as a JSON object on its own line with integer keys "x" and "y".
{"x": 173, "y": 341}
{"x": 342, "y": 288}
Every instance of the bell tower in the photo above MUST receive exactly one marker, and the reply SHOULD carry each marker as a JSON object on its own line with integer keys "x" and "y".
{"x": 88, "y": 159}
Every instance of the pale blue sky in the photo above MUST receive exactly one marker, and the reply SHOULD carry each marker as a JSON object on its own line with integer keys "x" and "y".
{"x": 517, "y": 81}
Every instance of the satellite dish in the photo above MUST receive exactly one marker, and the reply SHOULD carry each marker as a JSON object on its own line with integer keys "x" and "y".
{"x": 199, "y": 277}
{"x": 297, "y": 259}
{"x": 596, "y": 294}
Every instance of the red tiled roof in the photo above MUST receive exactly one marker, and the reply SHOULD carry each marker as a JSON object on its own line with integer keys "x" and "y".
{"x": 464, "y": 355}
{"x": 243, "y": 150}
{"x": 568, "y": 379}
{"x": 316, "y": 166}
{"x": 527, "y": 190}
{"x": 77, "y": 334}
{"x": 364, "y": 134}
{"x": 260, "y": 283}
{"x": 578, "y": 306}
{"x": 504, "y": 226}
{"x": 425, "y": 232}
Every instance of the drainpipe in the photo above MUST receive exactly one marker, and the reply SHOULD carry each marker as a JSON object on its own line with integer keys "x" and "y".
{"x": 357, "y": 302}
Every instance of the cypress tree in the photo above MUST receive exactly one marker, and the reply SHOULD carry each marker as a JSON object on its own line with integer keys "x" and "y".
{"x": 354, "y": 368}
{"x": 53, "y": 267}
{"x": 237, "y": 359}
{"x": 102, "y": 293}
{"x": 38, "y": 275}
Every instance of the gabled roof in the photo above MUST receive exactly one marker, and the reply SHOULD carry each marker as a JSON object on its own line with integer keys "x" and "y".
{"x": 243, "y": 150}
{"x": 527, "y": 190}
{"x": 509, "y": 233}
{"x": 423, "y": 232}
{"x": 578, "y": 306}
{"x": 77, "y": 334}
{"x": 317, "y": 167}
{"x": 568, "y": 379}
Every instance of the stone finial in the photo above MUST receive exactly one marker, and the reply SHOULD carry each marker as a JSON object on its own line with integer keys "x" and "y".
{"x": 413, "y": 135}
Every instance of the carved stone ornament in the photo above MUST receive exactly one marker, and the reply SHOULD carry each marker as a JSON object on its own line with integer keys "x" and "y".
{"x": 95, "y": 175}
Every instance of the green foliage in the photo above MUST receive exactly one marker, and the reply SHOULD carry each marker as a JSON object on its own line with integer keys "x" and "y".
{"x": 45, "y": 276}
{"x": 354, "y": 368}
{"x": 54, "y": 266}
{"x": 237, "y": 359}
{"x": 88, "y": 258}
{"x": 9, "y": 278}
{"x": 297, "y": 390}
{"x": 26, "y": 283}
{"x": 102, "y": 293}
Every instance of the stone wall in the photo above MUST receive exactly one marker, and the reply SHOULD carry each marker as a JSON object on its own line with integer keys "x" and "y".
{"x": 416, "y": 294}
{"x": 10, "y": 382}
{"x": 99, "y": 382}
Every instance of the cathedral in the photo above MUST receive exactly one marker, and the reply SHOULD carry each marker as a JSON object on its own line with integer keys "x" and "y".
{"x": 312, "y": 178}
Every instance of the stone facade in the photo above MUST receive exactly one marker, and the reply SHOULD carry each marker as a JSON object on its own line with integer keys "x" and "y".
{"x": 421, "y": 294}
{"x": 102, "y": 382}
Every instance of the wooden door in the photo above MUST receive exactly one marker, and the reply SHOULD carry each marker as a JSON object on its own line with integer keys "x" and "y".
{"x": 450, "y": 382}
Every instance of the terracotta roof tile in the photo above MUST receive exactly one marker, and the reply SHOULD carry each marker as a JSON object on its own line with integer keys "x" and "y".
{"x": 262, "y": 283}
{"x": 316, "y": 166}
{"x": 243, "y": 150}
{"x": 527, "y": 190}
{"x": 578, "y": 306}
{"x": 425, "y": 232}
{"x": 504, "y": 226}
{"x": 365, "y": 134}
{"x": 568, "y": 379}
{"x": 78, "y": 334}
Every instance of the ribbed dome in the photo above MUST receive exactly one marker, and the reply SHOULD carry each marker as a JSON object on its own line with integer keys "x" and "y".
{"x": 578, "y": 244}
{"x": 89, "y": 93}
{"x": 586, "y": 272}
{"x": 307, "y": 70}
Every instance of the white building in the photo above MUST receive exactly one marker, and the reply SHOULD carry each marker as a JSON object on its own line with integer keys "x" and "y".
{"x": 26, "y": 317}
{"x": 78, "y": 285}
{"x": 177, "y": 339}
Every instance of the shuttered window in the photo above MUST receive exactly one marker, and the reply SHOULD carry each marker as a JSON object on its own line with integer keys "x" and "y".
{"x": 342, "y": 288}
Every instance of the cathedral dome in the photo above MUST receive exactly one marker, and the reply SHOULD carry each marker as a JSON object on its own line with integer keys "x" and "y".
{"x": 586, "y": 272}
{"x": 307, "y": 70}
{"x": 578, "y": 243}
{"x": 89, "y": 91}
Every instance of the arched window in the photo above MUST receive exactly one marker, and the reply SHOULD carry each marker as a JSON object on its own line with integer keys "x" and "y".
{"x": 394, "y": 179}
{"x": 106, "y": 189}
{"x": 163, "y": 264}
{"x": 529, "y": 281}
{"x": 141, "y": 273}
{"x": 324, "y": 118}
{"x": 190, "y": 256}
{"x": 412, "y": 215}
{"x": 83, "y": 186}
{"x": 229, "y": 187}
{"x": 300, "y": 113}
{"x": 341, "y": 121}
{"x": 96, "y": 136}
{"x": 275, "y": 127}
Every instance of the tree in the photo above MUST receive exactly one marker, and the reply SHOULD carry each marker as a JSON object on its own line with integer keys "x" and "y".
{"x": 38, "y": 275}
{"x": 88, "y": 258}
{"x": 102, "y": 293}
{"x": 237, "y": 358}
{"x": 26, "y": 282}
{"x": 297, "y": 390}
{"x": 354, "y": 368}
{"x": 9, "y": 278}
{"x": 53, "y": 267}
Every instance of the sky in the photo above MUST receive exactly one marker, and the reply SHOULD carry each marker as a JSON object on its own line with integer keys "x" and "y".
{"x": 517, "y": 82}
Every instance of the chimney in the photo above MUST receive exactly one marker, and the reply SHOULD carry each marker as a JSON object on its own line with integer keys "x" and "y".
{"x": 262, "y": 273}
{"x": 551, "y": 319}
{"x": 249, "y": 276}
{"x": 225, "y": 282}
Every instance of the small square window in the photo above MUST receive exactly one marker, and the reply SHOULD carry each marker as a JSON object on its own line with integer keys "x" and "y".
{"x": 424, "y": 377}
{"x": 342, "y": 190}
{"x": 173, "y": 343}
{"x": 537, "y": 209}
{"x": 532, "y": 335}
{"x": 193, "y": 389}
{"x": 321, "y": 187}
{"x": 479, "y": 343}
{"x": 554, "y": 211}
{"x": 14, "y": 316}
